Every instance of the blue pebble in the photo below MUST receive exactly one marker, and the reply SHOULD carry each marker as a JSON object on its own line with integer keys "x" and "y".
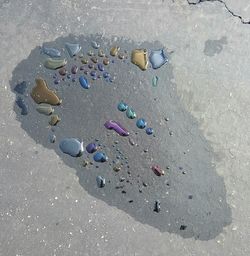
{"x": 84, "y": 82}
{"x": 141, "y": 123}
{"x": 158, "y": 58}
{"x": 93, "y": 73}
{"x": 72, "y": 147}
{"x": 106, "y": 75}
{"x": 100, "y": 157}
{"x": 100, "y": 67}
{"x": 21, "y": 88}
{"x": 149, "y": 131}
{"x": 23, "y": 105}
{"x": 122, "y": 106}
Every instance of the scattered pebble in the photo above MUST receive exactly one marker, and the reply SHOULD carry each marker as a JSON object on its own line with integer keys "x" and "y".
{"x": 158, "y": 58}
{"x": 71, "y": 146}
{"x": 155, "y": 80}
{"x": 22, "y": 105}
{"x": 122, "y": 106}
{"x": 45, "y": 109}
{"x": 52, "y": 52}
{"x": 139, "y": 57}
{"x": 52, "y": 138}
{"x": 157, "y": 170}
{"x": 95, "y": 45}
{"x": 112, "y": 125}
{"x": 42, "y": 94}
{"x": 100, "y": 181}
{"x": 91, "y": 148}
{"x": 21, "y": 87}
{"x": 73, "y": 49}
{"x": 54, "y": 120}
{"x": 54, "y": 63}
{"x": 100, "y": 157}
{"x": 130, "y": 113}
{"x": 149, "y": 131}
{"x": 141, "y": 123}
{"x": 157, "y": 207}
{"x": 114, "y": 50}
{"x": 84, "y": 82}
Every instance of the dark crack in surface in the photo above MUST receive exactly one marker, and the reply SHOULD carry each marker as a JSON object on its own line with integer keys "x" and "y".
{"x": 243, "y": 21}
{"x": 191, "y": 194}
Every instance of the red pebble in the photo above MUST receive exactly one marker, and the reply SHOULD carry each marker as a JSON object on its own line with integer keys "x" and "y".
{"x": 157, "y": 170}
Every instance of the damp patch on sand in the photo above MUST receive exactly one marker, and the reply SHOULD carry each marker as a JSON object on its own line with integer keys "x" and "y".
{"x": 109, "y": 109}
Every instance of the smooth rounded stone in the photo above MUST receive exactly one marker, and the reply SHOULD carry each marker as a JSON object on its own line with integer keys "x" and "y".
{"x": 100, "y": 181}
{"x": 122, "y": 106}
{"x": 52, "y": 52}
{"x": 149, "y": 131}
{"x": 100, "y": 67}
{"x": 74, "y": 69}
{"x": 113, "y": 125}
{"x": 56, "y": 81}
{"x": 106, "y": 61}
{"x": 158, "y": 58}
{"x": 117, "y": 168}
{"x": 130, "y": 113}
{"x": 45, "y": 109}
{"x": 52, "y": 138}
{"x": 90, "y": 53}
{"x": 22, "y": 105}
{"x": 71, "y": 146}
{"x": 72, "y": 49}
{"x": 155, "y": 80}
{"x": 139, "y": 57}
{"x": 21, "y": 87}
{"x": 91, "y": 148}
{"x": 54, "y": 63}
{"x": 42, "y": 94}
{"x": 106, "y": 74}
{"x": 94, "y": 59}
{"x": 91, "y": 65}
{"x": 54, "y": 120}
{"x": 157, "y": 170}
{"x": 121, "y": 56}
{"x": 100, "y": 157}
{"x": 84, "y": 61}
{"x": 93, "y": 73}
{"x": 82, "y": 67}
{"x": 101, "y": 53}
{"x": 157, "y": 206}
{"x": 114, "y": 50}
{"x": 62, "y": 71}
{"x": 95, "y": 45}
{"x": 84, "y": 82}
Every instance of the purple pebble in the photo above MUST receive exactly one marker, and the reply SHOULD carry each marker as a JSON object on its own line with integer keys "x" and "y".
{"x": 91, "y": 148}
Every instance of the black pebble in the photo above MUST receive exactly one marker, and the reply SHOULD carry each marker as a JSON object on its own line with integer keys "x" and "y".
{"x": 157, "y": 206}
{"x": 22, "y": 104}
{"x": 183, "y": 227}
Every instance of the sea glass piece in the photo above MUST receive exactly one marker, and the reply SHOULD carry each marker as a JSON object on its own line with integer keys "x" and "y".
{"x": 72, "y": 49}
{"x": 42, "y": 94}
{"x": 54, "y": 63}
{"x": 113, "y": 125}
{"x": 139, "y": 57}
{"x": 158, "y": 58}
{"x": 52, "y": 52}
